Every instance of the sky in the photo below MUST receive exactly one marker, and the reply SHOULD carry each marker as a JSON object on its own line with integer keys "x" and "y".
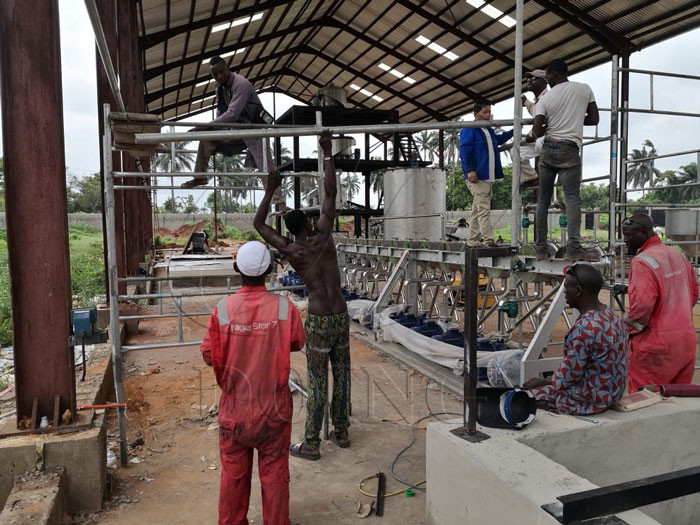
{"x": 669, "y": 134}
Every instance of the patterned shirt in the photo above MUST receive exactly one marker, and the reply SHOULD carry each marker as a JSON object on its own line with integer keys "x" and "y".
{"x": 593, "y": 373}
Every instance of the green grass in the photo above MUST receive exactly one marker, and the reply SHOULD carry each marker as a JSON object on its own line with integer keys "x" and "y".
{"x": 87, "y": 273}
{"x": 162, "y": 240}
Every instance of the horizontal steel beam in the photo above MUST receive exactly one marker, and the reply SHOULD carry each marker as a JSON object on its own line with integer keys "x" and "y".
{"x": 304, "y": 131}
{"x": 659, "y": 73}
{"x": 553, "y": 267}
{"x": 659, "y": 112}
{"x": 198, "y": 294}
{"x": 118, "y": 187}
{"x": 190, "y": 174}
{"x": 155, "y": 346}
{"x": 610, "y": 500}
{"x": 666, "y": 155}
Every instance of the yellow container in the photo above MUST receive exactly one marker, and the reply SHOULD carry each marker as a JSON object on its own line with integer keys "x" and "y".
{"x": 483, "y": 282}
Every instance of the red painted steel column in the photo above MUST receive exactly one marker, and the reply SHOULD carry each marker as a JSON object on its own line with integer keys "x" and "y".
{"x": 35, "y": 194}
{"x": 104, "y": 95}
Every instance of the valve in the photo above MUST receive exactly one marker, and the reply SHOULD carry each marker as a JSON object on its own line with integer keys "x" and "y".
{"x": 519, "y": 266}
{"x": 562, "y": 221}
{"x": 619, "y": 289}
{"x": 510, "y": 307}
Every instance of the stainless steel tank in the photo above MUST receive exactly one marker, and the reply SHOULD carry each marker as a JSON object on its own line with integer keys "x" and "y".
{"x": 684, "y": 225}
{"x": 414, "y": 203}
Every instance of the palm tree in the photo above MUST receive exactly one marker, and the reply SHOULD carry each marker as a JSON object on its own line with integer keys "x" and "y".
{"x": 427, "y": 142}
{"x": 451, "y": 145}
{"x": 689, "y": 174}
{"x": 307, "y": 184}
{"x": 643, "y": 172}
{"x": 376, "y": 184}
{"x": 183, "y": 161}
{"x": 352, "y": 182}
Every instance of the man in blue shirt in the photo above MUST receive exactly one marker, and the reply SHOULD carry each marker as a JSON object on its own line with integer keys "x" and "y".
{"x": 481, "y": 165}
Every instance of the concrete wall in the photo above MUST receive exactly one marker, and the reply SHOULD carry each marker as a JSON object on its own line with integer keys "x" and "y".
{"x": 623, "y": 447}
{"x": 506, "y": 478}
{"x": 242, "y": 221}
{"x": 498, "y": 480}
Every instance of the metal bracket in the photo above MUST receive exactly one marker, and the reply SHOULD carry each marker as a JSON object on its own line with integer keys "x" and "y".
{"x": 385, "y": 295}
{"x": 531, "y": 364}
{"x": 473, "y": 437}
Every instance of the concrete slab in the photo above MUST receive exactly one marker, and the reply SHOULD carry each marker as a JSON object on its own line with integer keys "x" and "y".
{"x": 506, "y": 478}
{"x": 37, "y": 498}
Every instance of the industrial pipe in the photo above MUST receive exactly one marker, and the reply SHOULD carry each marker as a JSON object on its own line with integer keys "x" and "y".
{"x": 680, "y": 390}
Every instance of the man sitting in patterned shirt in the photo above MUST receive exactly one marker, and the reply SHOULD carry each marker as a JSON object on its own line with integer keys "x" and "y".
{"x": 593, "y": 374}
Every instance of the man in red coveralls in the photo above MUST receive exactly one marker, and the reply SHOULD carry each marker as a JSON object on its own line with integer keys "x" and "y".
{"x": 662, "y": 292}
{"x": 249, "y": 337}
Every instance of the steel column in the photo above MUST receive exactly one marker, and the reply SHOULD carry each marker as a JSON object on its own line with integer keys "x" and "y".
{"x": 113, "y": 284}
{"x": 471, "y": 309}
{"x": 105, "y": 95}
{"x": 35, "y": 193}
{"x": 612, "y": 193}
{"x": 136, "y": 228}
{"x": 624, "y": 147}
{"x": 516, "y": 208}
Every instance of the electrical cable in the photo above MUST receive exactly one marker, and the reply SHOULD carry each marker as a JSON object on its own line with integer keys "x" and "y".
{"x": 396, "y": 458}
{"x": 413, "y": 440}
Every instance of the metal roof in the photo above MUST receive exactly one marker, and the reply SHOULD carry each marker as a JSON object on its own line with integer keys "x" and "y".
{"x": 298, "y": 46}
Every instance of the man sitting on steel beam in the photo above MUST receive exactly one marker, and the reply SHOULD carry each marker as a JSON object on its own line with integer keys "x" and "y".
{"x": 313, "y": 255}
{"x": 593, "y": 374}
{"x": 236, "y": 101}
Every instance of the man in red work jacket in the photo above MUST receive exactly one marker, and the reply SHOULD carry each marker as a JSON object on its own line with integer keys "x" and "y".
{"x": 249, "y": 337}
{"x": 662, "y": 292}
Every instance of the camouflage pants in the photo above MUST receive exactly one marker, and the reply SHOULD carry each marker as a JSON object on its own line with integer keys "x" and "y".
{"x": 327, "y": 338}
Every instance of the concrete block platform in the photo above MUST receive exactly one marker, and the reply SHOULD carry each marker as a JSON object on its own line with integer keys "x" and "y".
{"x": 212, "y": 270}
{"x": 81, "y": 454}
{"x": 507, "y": 478}
{"x": 37, "y": 498}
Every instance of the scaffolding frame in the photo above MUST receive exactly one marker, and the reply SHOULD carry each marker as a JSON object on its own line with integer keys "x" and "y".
{"x": 617, "y": 176}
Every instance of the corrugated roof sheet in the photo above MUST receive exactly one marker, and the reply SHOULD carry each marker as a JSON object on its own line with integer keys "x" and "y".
{"x": 299, "y": 46}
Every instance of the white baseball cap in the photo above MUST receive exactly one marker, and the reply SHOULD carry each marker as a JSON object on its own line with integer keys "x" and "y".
{"x": 537, "y": 73}
{"x": 253, "y": 259}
